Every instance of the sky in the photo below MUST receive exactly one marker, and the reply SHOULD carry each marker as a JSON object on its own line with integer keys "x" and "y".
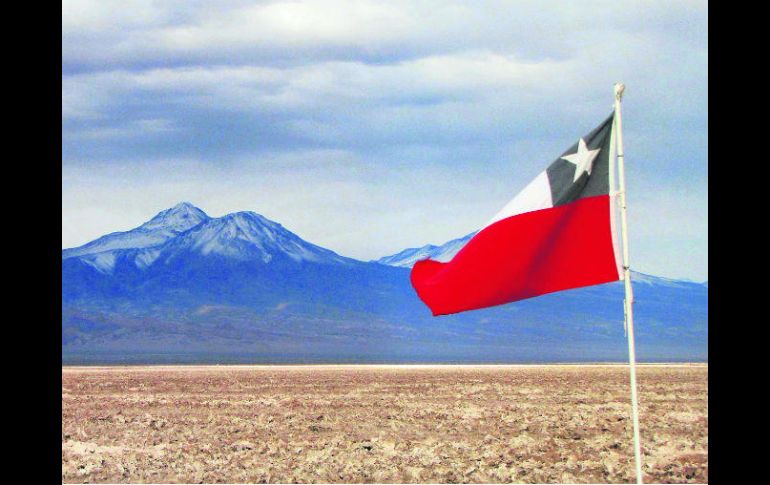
{"x": 369, "y": 127}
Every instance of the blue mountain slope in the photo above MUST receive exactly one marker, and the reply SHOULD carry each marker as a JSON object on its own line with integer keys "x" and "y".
{"x": 243, "y": 288}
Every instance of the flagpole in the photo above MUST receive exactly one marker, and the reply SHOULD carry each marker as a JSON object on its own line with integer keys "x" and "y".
{"x": 628, "y": 302}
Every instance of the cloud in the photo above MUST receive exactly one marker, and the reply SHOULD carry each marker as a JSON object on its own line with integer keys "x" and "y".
{"x": 463, "y": 96}
{"x": 422, "y": 115}
{"x": 214, "y": 32}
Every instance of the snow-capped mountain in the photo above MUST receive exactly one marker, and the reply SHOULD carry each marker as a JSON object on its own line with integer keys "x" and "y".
{"x": 164, "y": 226}
{"x": 443, "y": 253}
{"x": 247, "y": 236}
{"x": 185, "y": 230}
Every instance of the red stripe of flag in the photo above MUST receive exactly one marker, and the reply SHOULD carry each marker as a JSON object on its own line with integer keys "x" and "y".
{"x": 522, "y": 256}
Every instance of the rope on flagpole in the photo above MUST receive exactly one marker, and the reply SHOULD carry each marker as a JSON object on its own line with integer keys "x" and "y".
{"x": 628, "y": 302}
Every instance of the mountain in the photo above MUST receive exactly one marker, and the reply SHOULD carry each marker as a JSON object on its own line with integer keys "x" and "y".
{"x": 164, "y": 226}
{"x": 186, "y": 287}
{"x": 244, "y": 236}
{"x": 443, "y": 253}
{"x": 102, "y": 252}
{"x": 186, "y": 231}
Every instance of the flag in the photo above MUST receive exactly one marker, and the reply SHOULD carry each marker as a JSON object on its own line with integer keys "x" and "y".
{"x": 556, "y": 234}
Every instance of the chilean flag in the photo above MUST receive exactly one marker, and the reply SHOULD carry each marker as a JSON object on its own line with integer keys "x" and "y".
{"x": 557, "y": 233}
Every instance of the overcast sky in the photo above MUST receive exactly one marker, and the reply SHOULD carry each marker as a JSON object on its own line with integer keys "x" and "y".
{"x": 369, "y": 127}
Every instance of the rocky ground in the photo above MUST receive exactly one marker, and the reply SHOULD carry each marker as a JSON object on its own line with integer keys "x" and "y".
{"x": 381, "y": 424}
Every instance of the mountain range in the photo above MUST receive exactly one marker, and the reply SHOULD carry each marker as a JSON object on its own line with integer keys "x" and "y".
{"x": 186, "y": 287}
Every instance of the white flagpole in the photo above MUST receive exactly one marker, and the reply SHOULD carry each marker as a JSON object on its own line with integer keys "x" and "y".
{"x": 628, "y": 303}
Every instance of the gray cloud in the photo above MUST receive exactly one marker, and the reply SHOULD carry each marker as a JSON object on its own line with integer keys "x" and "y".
{"x": 424, "y": 115}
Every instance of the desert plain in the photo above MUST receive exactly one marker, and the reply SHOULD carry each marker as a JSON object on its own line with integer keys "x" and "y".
{"x": 383, "y": 424}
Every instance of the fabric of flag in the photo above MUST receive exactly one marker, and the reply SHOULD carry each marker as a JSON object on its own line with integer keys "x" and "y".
{"x": 556, "y": 234}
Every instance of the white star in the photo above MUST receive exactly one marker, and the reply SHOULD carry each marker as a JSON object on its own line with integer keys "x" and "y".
{"x": 583, "y": 159}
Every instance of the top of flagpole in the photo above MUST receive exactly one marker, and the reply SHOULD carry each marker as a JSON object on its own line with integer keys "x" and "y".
{"x": 619, "y": 88}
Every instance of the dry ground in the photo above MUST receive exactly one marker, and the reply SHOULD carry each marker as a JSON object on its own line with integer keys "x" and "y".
{"x": 381, "y": 424}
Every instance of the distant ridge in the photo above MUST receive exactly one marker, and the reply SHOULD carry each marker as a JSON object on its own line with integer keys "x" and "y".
{"x": 187, "y": 288}
{"x": 443, "y": 253}
{"x": 446, "y": 251}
